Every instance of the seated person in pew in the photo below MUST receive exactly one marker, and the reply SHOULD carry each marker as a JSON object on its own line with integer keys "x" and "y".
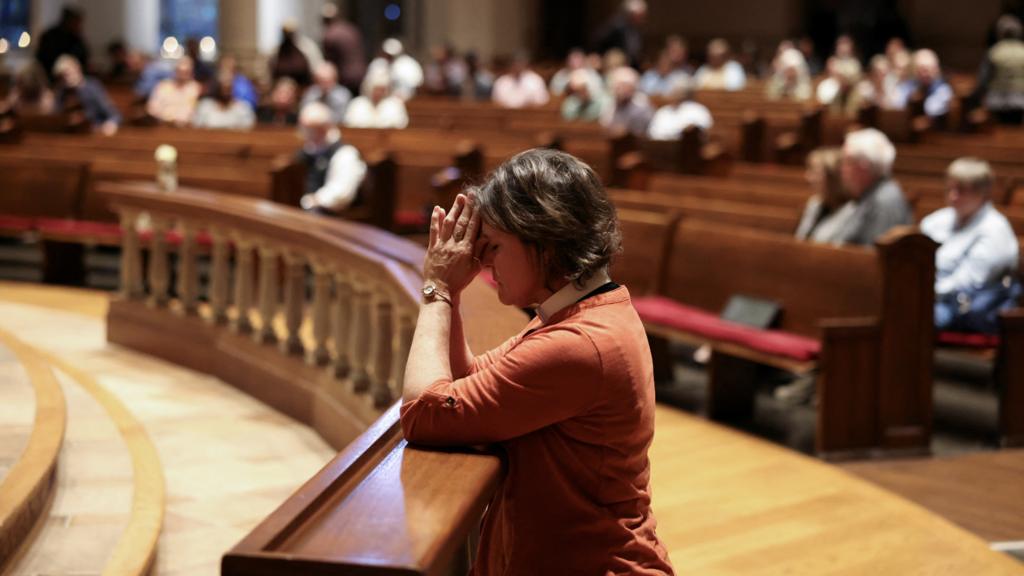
{"x": 520, "y": 87}
{"x": 680, "y": 113}
{"x": 378, "y": 108}
{"x": 865, "y": 168}
{"x": 720, "y": 72}
{"x": 76, "y": 89}
{"x": 334, "y": 170}
{"x": 241, "y": 87}
{"x": 576, "y": 60}
{"x": 284, "y": 104}
{"x": 826, "y": 211}
{"x": 570, "y": 400}
{"x": 790, "y": 79}
{"x": 659, "y": 80}
{"x": 837, "y": 90}
{"x": 326, "y": 89}
{"x": 31, "y": 92}
{"x": 584, "y": 101}
{"x": 174, "y": 99}
{"x": 222, "y": 110}
{"x": 878, "y": 88}
{"x": 927, "y": 81}
{"x": 976, "y": 264}
{"x": 630, "y": 110}
{"x": 403, "y": 71}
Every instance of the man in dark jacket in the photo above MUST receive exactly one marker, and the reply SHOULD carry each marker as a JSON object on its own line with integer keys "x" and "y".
{"x": 64, "y": 38}
{"x": 343, "y": 47}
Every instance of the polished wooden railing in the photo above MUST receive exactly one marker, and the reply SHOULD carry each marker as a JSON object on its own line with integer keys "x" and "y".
{"x": 315, "y": 317}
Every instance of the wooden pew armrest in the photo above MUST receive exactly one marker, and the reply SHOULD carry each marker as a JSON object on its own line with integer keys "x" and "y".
{"x": 847, "y": 387}
{"x": 633, "y": 171}
{"x": 1010, "y": 377}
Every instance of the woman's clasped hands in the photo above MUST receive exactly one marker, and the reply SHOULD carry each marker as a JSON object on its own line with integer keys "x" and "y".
{"x": 455, "y": 247}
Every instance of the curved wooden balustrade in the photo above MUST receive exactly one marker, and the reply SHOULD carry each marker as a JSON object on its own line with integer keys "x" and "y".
{"x": 331, "y": 355}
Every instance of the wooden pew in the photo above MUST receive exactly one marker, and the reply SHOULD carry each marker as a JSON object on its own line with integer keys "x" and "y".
{"x": 858, "y": 316}
{"x": 778, "y": 220}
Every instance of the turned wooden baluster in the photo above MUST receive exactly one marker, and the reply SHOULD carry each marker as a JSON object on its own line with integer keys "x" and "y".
{"x": 220, "y": 280}
{"x": 319, "y": 355}
{"x": 188, "y": 278}
{"x": 360, "y": 336}
{"x": 131, "y": 257}
{"x": 383, "y": 331}
{"x": 244, "y": 260}
{"x": 342, "y": 324}
{"x": 406, "y": 326}
{"x": 294, "y": 302}
{"x": 269, "y": 294}
{"x": 159, "y": 276}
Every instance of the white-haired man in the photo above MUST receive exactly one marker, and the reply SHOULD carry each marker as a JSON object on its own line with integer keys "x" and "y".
{"x": 334, "y": 170}
{"x": 976, "y": 264}
{"x": 403, "y": 71}
{"x": 877, "y": 202}
{"x": 928, "y": 82}
{"x": 631, "y": 110}
{"x": 74, "y": 86}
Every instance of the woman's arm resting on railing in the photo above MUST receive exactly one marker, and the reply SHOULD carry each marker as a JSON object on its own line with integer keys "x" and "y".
{"x": 439, "y": 347}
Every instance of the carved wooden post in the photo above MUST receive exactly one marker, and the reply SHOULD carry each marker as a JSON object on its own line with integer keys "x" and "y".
{"x": 383, "y": 330}
{"x": 319, "y": 356}
{"x": 294, "y": 302}
{"x": 268, "y": 294}
{"x": 219, "y": 278}
{"x": 159, "y": 278}
{"x": 342, "y": 324}
{"x": 131, "y": 257}
{"x": 188, "y": 280}
{"x": 360, "y": 336}
{"x": 243, "y": 284}
{"x": 406, "y": 325}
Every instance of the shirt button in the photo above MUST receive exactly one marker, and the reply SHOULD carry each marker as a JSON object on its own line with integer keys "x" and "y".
{"x": 449, "y": 402}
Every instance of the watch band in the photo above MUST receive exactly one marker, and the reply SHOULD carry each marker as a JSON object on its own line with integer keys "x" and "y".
{"x": 432, "y": 294}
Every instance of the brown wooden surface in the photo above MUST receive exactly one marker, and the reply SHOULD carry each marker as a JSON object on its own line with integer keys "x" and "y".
{"x": 982, "y": 492}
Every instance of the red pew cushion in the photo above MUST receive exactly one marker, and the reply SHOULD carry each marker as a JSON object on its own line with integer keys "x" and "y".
{"x": 968, "y": 339}
{"x": 672, "y": 314}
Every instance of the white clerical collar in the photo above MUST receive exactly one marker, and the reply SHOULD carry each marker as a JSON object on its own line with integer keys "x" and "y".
{"x": 569, "y": 295}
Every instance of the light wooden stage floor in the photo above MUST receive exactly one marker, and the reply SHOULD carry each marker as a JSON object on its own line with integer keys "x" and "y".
{"x": 726, "y": 503}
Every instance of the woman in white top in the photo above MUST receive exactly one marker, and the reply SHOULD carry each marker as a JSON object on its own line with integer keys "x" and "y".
{"x": 830, "y": 207}
{"x": 379, "y": 109}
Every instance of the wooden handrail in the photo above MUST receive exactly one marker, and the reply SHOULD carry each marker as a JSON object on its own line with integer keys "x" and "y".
{"x": 380, "y": 507}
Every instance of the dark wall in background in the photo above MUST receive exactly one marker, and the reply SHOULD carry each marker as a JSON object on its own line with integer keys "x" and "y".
{"x": 955, "y": 28}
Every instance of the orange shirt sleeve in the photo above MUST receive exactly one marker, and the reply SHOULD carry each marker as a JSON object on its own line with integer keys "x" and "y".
{"x": 543, "y": 378}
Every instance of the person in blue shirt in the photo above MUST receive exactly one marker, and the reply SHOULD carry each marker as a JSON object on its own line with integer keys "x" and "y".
{"x": 928, "y": 82}
{"x": 74, "y": 88}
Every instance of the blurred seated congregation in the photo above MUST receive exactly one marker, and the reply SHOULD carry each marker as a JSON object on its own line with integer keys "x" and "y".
{"x": 218, "y": 221}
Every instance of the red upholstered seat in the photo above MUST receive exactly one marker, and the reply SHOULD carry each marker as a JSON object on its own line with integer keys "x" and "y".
{"x": 106, "y": 232}
{"x": 408, "y": 219}
{"x": 16, "y": 223}
{"x": 968, "y": 339}
{"x": 672, "y": 314}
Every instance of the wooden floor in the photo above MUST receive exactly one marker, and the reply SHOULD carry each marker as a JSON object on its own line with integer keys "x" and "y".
{"x": 982, "y": 492}
{"x": 726, "y": 503}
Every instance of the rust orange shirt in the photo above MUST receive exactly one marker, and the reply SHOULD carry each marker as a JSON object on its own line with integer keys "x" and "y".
{"x": 571, "y": 402}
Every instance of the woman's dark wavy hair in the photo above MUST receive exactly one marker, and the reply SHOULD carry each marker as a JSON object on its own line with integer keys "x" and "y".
{"x": 554, "y": 203}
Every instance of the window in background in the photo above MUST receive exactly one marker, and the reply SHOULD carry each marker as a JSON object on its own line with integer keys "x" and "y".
{"x": 14, "y": 24}
{"x": 183, "y": 19}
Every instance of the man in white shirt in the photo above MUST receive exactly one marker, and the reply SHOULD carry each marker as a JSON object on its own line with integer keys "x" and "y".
{"x": 521, "y": 87}
{"x": 976, "y": 264}
{"x": 334, "y": 170}
{"x": 377, "y": 109}
{"x": 682, "y": 112}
